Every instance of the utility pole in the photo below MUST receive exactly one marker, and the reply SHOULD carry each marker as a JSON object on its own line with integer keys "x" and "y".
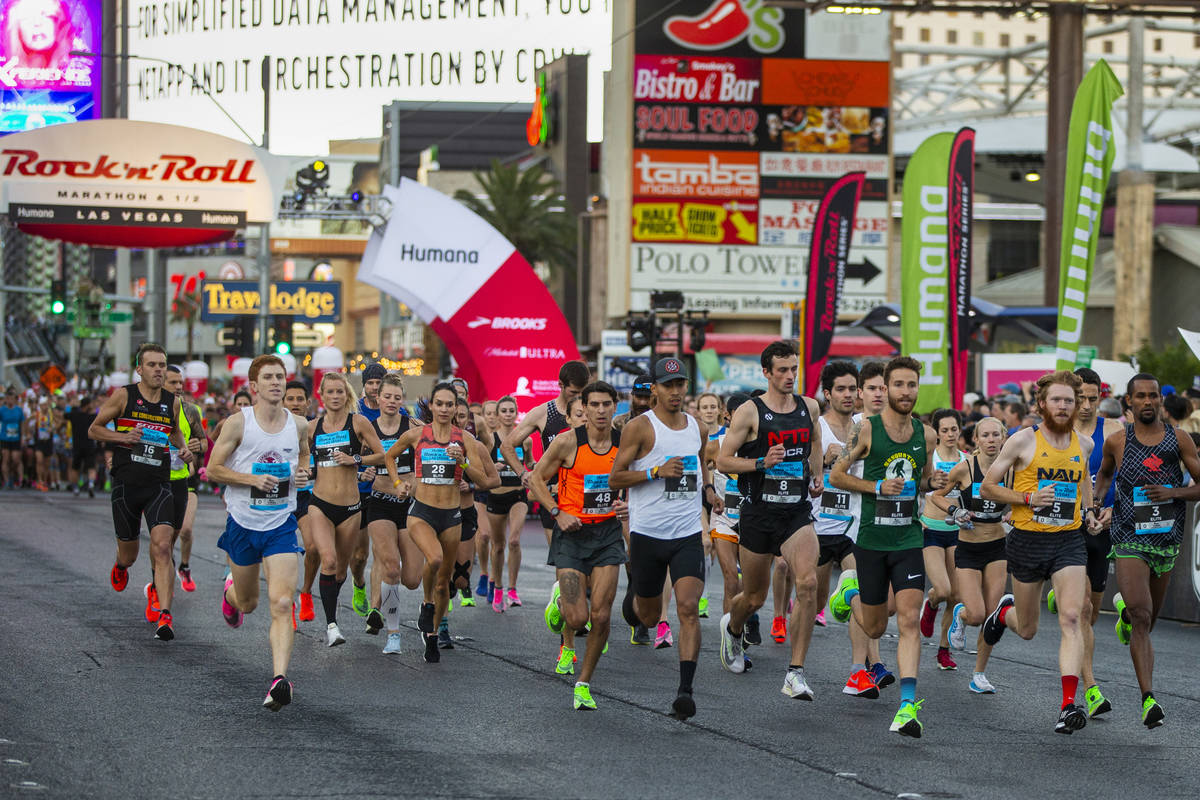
{"x": 264, "y": 230}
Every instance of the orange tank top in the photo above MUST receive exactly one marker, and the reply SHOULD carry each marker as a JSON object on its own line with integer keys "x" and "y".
{"x": 583, "y": 488}
{"x": 1061, "y": 469}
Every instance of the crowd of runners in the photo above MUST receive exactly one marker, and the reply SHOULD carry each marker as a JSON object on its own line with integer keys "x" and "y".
{"x": 968, "y": 514}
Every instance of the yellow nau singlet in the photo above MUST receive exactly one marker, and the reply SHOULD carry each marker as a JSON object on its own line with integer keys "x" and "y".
{"x": 1062, "y": 469}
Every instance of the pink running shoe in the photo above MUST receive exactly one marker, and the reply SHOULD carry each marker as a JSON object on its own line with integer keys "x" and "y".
{"x": 233, "y": 617}
{"x": 662, "y": 637}
{"x": 944, "y": 661}
{"x": 820, "y": 620}
{"x": 498, "y": 600}
{"x": 928, "y": 615}
{"x": 512, "y": 599}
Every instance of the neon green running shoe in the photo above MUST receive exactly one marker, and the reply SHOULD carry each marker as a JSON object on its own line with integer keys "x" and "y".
{"x": 1152, "y": 713}
{"x": 1097, "y": 703}
{"x": 906, "y": 723}
{"x": 1050, "y": 604}
{"x": 566, "y": 661}
{"x": 554, "y": 617}
{"x": 839, "y": 601}
{"x": 704, "y": 608}
{"x": 583, "y": 698}
{"x": 1123, "y": 627}
{"x": 466, "y": 599}
{"x": 360, "y": 601}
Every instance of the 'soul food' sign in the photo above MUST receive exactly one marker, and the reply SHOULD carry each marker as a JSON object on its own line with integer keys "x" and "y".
{"x": 308, "y": 301}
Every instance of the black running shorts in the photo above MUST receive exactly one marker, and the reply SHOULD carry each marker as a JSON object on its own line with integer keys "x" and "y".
{"x": 503, "y": 502}
{"x": 1034, "y": 557}
{"x": 440, "y": 519}
{"x": 179, "y": 498}
{"x": 764, "y": 527}
{"x": 132, "y": 502}
{"x": 1098, "y": 548}
{"x": 877, "y": 569}
{"x": 595, "y": 544}
{"x": 834, "y": 548}
{"x": 387, "y": 509}
{"x": 977, "y": 555}
{"x": 333, "y": 512}
{"x": 650, "y": 560}
{"x": 470, "y": 522}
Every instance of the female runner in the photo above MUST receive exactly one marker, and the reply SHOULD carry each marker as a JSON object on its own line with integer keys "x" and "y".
{"x": 507, "y": 506}
{"x": 941, "y": 536}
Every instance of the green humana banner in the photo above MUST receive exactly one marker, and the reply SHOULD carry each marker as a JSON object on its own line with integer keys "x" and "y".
{"x": 924, "y": 270}
{"x": 1090, "y": 152}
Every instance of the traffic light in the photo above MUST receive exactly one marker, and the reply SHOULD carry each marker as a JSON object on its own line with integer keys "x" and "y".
{"x": 313, "y": 178}
{"x": 240, "y": 335}
{"x": 640, "y": 330}
{"x": 697, "y": 326}
{"x": 58, "y": 297}
{"x": 282, "y": 335}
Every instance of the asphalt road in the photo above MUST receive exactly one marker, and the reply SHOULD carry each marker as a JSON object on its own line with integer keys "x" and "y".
{"x": 92, "y": 706}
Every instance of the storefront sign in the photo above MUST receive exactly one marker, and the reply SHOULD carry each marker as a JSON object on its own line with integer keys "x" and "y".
{"x": 307, "y": 301}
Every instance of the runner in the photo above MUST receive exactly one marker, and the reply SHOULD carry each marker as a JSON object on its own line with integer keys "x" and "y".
{"x": 368, "y": 408}
{"x": 893, "y": 447}
{"x": 725, "y": 525}
{"x": 576, "y": 418}
{"x": 837, "y": 524}
{"x": 483, "y": 544}
{"x": 1050, "y": 486}
{"x": 83, "y": 449}
{"x": 12, "y": 427}
{"x": 1148, "y": 518}
{"x": 711, "y": 411}
{"x": 941, "y": 536}
{"x": 667, "y": 446}
{"x": 460, "y": 580}
{"x": 774, "y": 446}
{"x": 641, "y": 400}
{"x": 588, "y": 546}
{"x": 442, "y": 454}
{"x": 295, "y": 400}
{"x": 184, "y": 481}
{"x": 507, "y": 504}
{"x": 258, "y": 457}
{"x": 980, "y": 563}
{"x": 334, "y": 507}
{"x": 146, "y": 426}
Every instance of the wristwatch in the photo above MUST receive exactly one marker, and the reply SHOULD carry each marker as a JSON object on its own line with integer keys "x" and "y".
{"x": 357, "y": 459}
{"x": 760, "y": 463}
{"x": 554, "y": 512}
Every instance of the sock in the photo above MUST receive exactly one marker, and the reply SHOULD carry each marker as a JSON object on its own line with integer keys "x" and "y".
{"x": 797, "y": 667}
{"x": 687, "y": 671}
{"x": 978, "y": 675}
{"x": 945, "y": 650}
{"x": 729, "y": 629}
{"x": 1070, "y": 685}
{"x": 390, "y": 600}
{"x": 329, "y": 587}
{"x": 164, "y": 611}
{"x": 183, "y": 565}
{"x": 1003, "y": 613}
{"x": 628, "y": 612}
{"x": 908, "y": 690}
{"x": 855, "y": 668}
{"x": 581, "y": 683}
{"x": 1146, "y": 695}
{"x": 1125, "y": 616}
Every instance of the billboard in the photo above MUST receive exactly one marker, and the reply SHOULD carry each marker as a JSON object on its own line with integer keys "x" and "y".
{"x": 41, "y": 83}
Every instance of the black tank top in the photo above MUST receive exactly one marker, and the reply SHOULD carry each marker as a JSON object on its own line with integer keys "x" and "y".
{"x": 325, "y": 444}
{"x": 556, "y": 423}
{"x": 148, "y": 461}
{"x": 787, "y": 481}
{"x": 404, "y": 461}
{"x": 1137, "y": 518}
{"x": 508, "y": 477}
{"x": 983, "y": 510}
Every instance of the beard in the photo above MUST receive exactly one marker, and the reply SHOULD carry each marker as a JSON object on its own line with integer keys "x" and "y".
{"x": 900, "y": 406}
{"x": 1054, "y": 426}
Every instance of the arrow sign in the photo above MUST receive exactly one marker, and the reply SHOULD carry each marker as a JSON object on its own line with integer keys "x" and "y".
{"x": 864, "y": 271}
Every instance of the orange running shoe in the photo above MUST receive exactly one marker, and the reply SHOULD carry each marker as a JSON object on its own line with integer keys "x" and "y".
{"x": 185, "y": 579}
{"x": 306, "y": 607}
{"x": 861, "y": 684}
{"x": 151, "y": 595}
{"x": 164, "y": 632}
{"x": 294, "y": 625}
{"x": 779, "y": 630}
{"x": 119, "y": 577}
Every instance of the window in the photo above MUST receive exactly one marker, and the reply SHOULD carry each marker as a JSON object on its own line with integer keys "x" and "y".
{"x": 1012, "y": 247}
{"x": 1005, "y": 39}
{"x": 360, "y": 335}
{"x": 977, "y": 38}
{"x": 1158, "y": 44}
{"x": 898, "y": 33}
{"x": 1108, "y": 45}
{"x": 924, "y": 34}
{"x": 1196, "y": 41}
{"x": 1030, "y": 38}
{"x": 951, "y": 37}
{"x": 924, "y": 59}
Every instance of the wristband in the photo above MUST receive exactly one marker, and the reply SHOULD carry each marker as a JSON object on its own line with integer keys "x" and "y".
{"x": 396, "y": 483}
{"x": 1027, "y": 496}
{"x": 650, "y": 474}
{"x": 760, "y": 464}
{"x": 878, "y": 487}
{"x": 710, "y": 486}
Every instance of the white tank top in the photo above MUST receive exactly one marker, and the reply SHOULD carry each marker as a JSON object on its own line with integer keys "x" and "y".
{"x": 727, "y": 489}
{"x": 668, "y": 508}
{"x": 262, "y": 453}
{"x": 839, "y": 511}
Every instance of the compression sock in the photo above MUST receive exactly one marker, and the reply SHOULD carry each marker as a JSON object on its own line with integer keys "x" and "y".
{"x": 627, "y": 611}
{"x": 329, "y": 596}
{"x": 687, "y": 672}
{"x": 1070, "y": 685}
{"x": 390, "y": 600}
{"x": 908, "y": 690}
{"x": 1004, "y": 613}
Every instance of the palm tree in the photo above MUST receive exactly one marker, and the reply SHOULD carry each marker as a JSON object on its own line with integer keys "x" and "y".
{"x": 186, "y": 309}
{"x": 528, "y": 208}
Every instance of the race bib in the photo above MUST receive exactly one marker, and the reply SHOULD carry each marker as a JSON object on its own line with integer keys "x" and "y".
{"x": 897, "y": 509}
{"x": 946, "y": 466}
{"x": 684, "y": 486}
{"x": 984, "y": 510}
{"x": 733, "y": 501}
{"x": 176, "y": 458}
{"x": 597, "y": 497}
{"x": 152, "y": 450}
{"x": 784, "y": 483}
{"x": 1061, "y": 512}
{"x": 508, "y": 475}
{"x": 277, "y": 498}
{"x": 437, "y": 468}
{"x": 835, "y": 503}
{"x": 329, "y": 443}
{"x": 12, "y": 431}
{"x": 403, "y": 466}
{"x": 1149, "y": 516}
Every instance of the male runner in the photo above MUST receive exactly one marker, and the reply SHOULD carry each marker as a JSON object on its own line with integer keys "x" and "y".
{"x": 894, "y": 449}
{"x": 661, "y": 462}
{"x": 83, "y": 450}
{"x": 295, "y": 400}
{"x": 183, "y": 479}
{"x": 641, "y": 398}
{"x": 774, "y": 447}
{"x": 258, "y": 456}
{"x": 1147, "y": 525}
{"x": 588, "y": 546}
{"x": 1050, "y": 487}
{"x": 12, "y": 427}
{"x": 146, "y": 425}
{"x": 368, "y": 407}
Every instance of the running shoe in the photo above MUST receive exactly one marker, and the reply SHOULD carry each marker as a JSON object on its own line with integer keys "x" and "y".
{"x": 164, "y": 633}
{"x": 374, "y": 622}
{"x": 702, "y": 608}
{"x": 432, "y": 654}
{"x": 906, "y": 722}
{"x": 566, "y": 661}
{"x": 359, "y": 601}
{"x": 752, "y": 634}
{"x": 1097, "y": 703}
{"x": 1070, "y": 719}
{"x": 993, "y": 628}
{"x": 233, "y": 617}
{"x": 425, "y": 618}
{"x": 279, "y": 695}
{"x": 684, "y": 706}
{"x": 91, "y": 491}
{"x": 333, "y": 635}
{"x": 583, "y": 698}
{"x": 779, "y": 629}
{"x": 732, "y": 657}
{"x": 392, "y": 647}
{"x": 944, "y": 661}
{"x": 481, "y": 588}
{"x": 795, "y": 687}
{"x": 75, "y": 490}
{"x": 928, "y": 615}
{"x": 882, "y": 676}
{"x": 553, "y": 614}
{"x": 512, "y": 599}
{"x": 981, "y": 685}
{"x": 1123, "y": 627}
{"x": 820, "y": 618}
{"x": 662, "y": 636}
{"x": 465, "y": 598}
{"x": 1051, "y": 604}
{"x": 861, "y": 684}
{"x": 443, "y": 637}
{"x": 958, "y": 628}
{"x": 1152, "y": 713}
{"x": 498, "y": 600}
{"x": 119, "y": 577}
{"x": 639, "y": 635}
{"x": 307, "y": 613}
{"x": 839, "y": 601}
{"x": 185, "y": 579}
{"x": 151, "y": 595}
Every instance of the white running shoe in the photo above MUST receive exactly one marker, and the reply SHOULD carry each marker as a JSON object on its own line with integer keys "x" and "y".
{"x": 795, "y": 687}
{"x": 392, "y": 647}
{"x": 981, "y": 685}
{"x": 732, "y": 657}
{"x": 958, "y": 628}
{"x": 333, "y": 635}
